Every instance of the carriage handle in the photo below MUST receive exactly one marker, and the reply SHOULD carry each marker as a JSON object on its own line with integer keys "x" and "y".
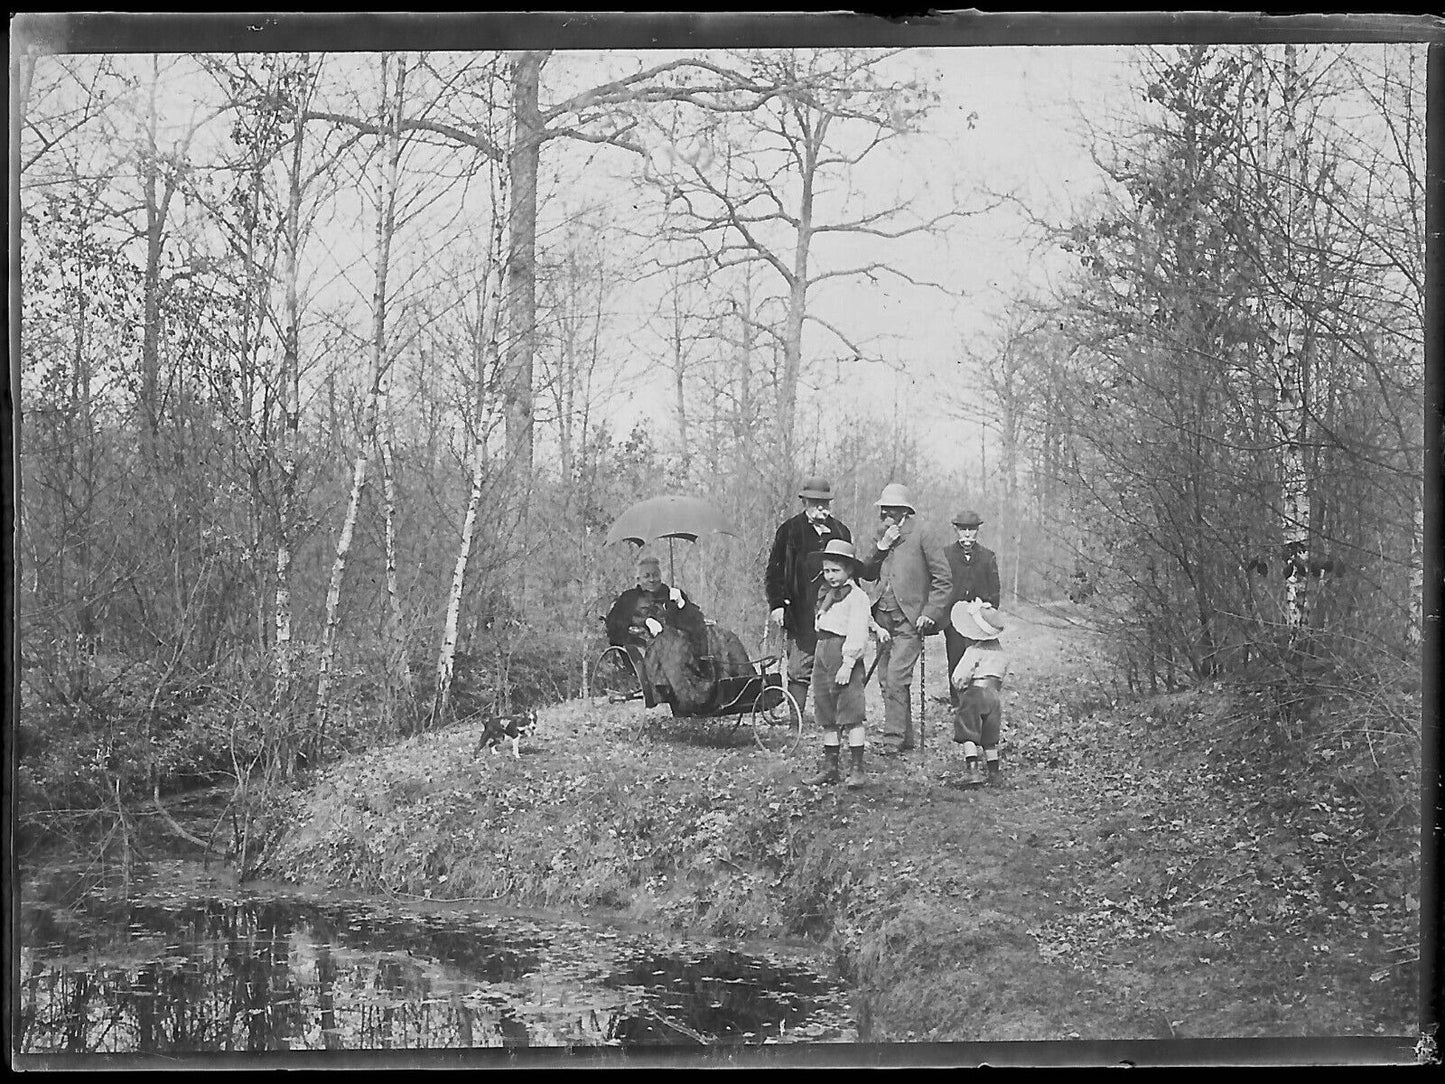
{"x": 763, "y": 656}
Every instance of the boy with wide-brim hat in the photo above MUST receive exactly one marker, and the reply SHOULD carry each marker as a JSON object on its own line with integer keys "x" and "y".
{"x": 842, "y": 623}
{"x": 977, "y": 681}
{"x": 793, "y": 576}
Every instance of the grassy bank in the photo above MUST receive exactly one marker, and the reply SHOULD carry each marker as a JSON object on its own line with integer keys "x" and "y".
{"x": 1150, "y": 868}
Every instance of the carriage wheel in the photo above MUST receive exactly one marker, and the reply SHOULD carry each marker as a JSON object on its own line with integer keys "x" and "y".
{"x": 777, "y": 721}
{"x": 615, "y": 677}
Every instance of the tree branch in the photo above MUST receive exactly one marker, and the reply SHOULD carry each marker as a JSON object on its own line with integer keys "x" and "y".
{"x": 480, "y": 142}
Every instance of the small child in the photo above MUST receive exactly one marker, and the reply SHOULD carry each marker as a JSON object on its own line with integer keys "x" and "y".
{"x": 977, "y": 679}
{"x": 844, "y": 618}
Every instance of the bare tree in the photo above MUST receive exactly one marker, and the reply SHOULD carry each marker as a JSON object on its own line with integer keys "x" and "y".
{"x": 1285, "y": 337}
{"x": 763, "y": 178}
{"x": 486, "y": 356}
{"x": 393, "y": 97}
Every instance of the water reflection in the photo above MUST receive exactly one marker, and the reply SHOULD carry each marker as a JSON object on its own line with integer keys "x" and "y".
{"x": 172, "y": 972}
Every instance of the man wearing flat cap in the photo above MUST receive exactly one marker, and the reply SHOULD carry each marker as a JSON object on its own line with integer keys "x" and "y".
{"x": 975, "y": 577}
{"x": 908, "y": 562}
{"x": 794, "y": 575}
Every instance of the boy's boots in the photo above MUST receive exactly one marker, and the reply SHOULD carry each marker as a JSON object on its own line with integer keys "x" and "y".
{"x": 973, "y": 775}
{"x": 995, "y": 774}
{"x": 829, "y": 772}
{"x": 855, "y": 766}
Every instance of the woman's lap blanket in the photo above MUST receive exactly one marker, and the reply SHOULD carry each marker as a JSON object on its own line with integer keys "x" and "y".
{"x": 674, "y": 659}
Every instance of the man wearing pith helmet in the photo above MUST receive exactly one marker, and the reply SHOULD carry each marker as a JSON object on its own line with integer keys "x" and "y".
{"x": 794, "y": 574}
{"x": 975, "y": 577}
{"x": 914, "y": 590}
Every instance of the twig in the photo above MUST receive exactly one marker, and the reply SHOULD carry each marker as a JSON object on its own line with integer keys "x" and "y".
{"x": 1215, "y": 887}
{"x": 171, "y": 821}
{"x": 1371, "y": 743}
{"x": 211, "y": 835}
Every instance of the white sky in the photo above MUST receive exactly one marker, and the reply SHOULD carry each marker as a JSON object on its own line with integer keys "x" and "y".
{"x": 1024, "y": 139}
{"x": 1028, "y": 104}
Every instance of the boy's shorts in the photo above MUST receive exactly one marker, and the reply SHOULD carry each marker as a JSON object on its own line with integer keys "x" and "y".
{"x": 979, "y": 716}
{"x": 835, "y": 705}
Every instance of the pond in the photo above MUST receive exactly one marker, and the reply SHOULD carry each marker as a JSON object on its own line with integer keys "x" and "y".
{"x": 181, "y": 963}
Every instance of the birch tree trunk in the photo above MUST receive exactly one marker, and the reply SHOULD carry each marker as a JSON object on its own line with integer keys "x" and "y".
{"x": 386, "y": 210}
{"x": 393, "y": 592}
{"x": 385, "y": 228}
{"x": 446, "y": 658}
{"x": 489, "y": 359}
{"x": 1291, "y": 414}
{"x": 1285, "y": 343}
{"x": 290, "y": 405}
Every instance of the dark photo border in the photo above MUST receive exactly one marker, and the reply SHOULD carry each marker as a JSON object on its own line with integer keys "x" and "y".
{"x": 130, "y": 32}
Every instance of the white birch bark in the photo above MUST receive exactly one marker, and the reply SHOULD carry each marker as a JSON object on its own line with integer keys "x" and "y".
{"x": 333, "y": 592}
{"x": 385, "y": 228}
{"x": 386, "y": 204}
{"x": 290, "y": 405}
{"x": 447, "y": 656}
{"x": 393, "y": 592}
{"x": 490, "y": 359}
{"x": 1286, "y": 343}
{"x": 1294, "y": 479}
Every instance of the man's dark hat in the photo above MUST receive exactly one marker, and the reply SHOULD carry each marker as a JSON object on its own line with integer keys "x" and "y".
{"x": 816, "y": 488}
{"x": 967, "y": 518}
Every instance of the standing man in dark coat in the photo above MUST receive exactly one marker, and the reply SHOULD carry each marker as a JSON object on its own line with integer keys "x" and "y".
{"x": 975, "y": 576}
{"x": 794, "y": 574}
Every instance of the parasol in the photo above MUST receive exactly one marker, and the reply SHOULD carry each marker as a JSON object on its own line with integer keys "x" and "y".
{"x": 668, "y": 516}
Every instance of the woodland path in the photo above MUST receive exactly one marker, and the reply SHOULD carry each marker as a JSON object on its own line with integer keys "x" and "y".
{"x": 1144, "y": 871}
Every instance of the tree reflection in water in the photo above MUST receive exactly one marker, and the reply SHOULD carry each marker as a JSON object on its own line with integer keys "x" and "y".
{"x": 158, "y": 975}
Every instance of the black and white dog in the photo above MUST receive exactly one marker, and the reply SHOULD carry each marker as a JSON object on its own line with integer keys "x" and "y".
{"x": 513, "y": 728}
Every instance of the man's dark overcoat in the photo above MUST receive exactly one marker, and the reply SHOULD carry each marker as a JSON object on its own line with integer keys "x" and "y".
{"x": 975, "y": 574}
{"x": 794, "y": 573}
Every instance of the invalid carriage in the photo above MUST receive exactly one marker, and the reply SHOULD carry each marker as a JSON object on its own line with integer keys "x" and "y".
{"x": 758, "y": 697}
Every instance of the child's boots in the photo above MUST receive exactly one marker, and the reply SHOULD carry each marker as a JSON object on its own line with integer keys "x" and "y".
{"x": 856, "y": 778}
{"x": 828, "y": 774}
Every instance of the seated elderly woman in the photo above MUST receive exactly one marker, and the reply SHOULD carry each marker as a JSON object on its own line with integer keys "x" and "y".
{"x": 681, "y": 649}
{"x": 641, "y": 612}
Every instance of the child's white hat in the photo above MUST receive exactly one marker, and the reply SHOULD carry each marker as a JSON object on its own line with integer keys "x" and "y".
{"x": 977, "y": 620}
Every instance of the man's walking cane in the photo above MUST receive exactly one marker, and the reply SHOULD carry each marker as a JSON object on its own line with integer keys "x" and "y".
{"x": 922, "y": 698}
